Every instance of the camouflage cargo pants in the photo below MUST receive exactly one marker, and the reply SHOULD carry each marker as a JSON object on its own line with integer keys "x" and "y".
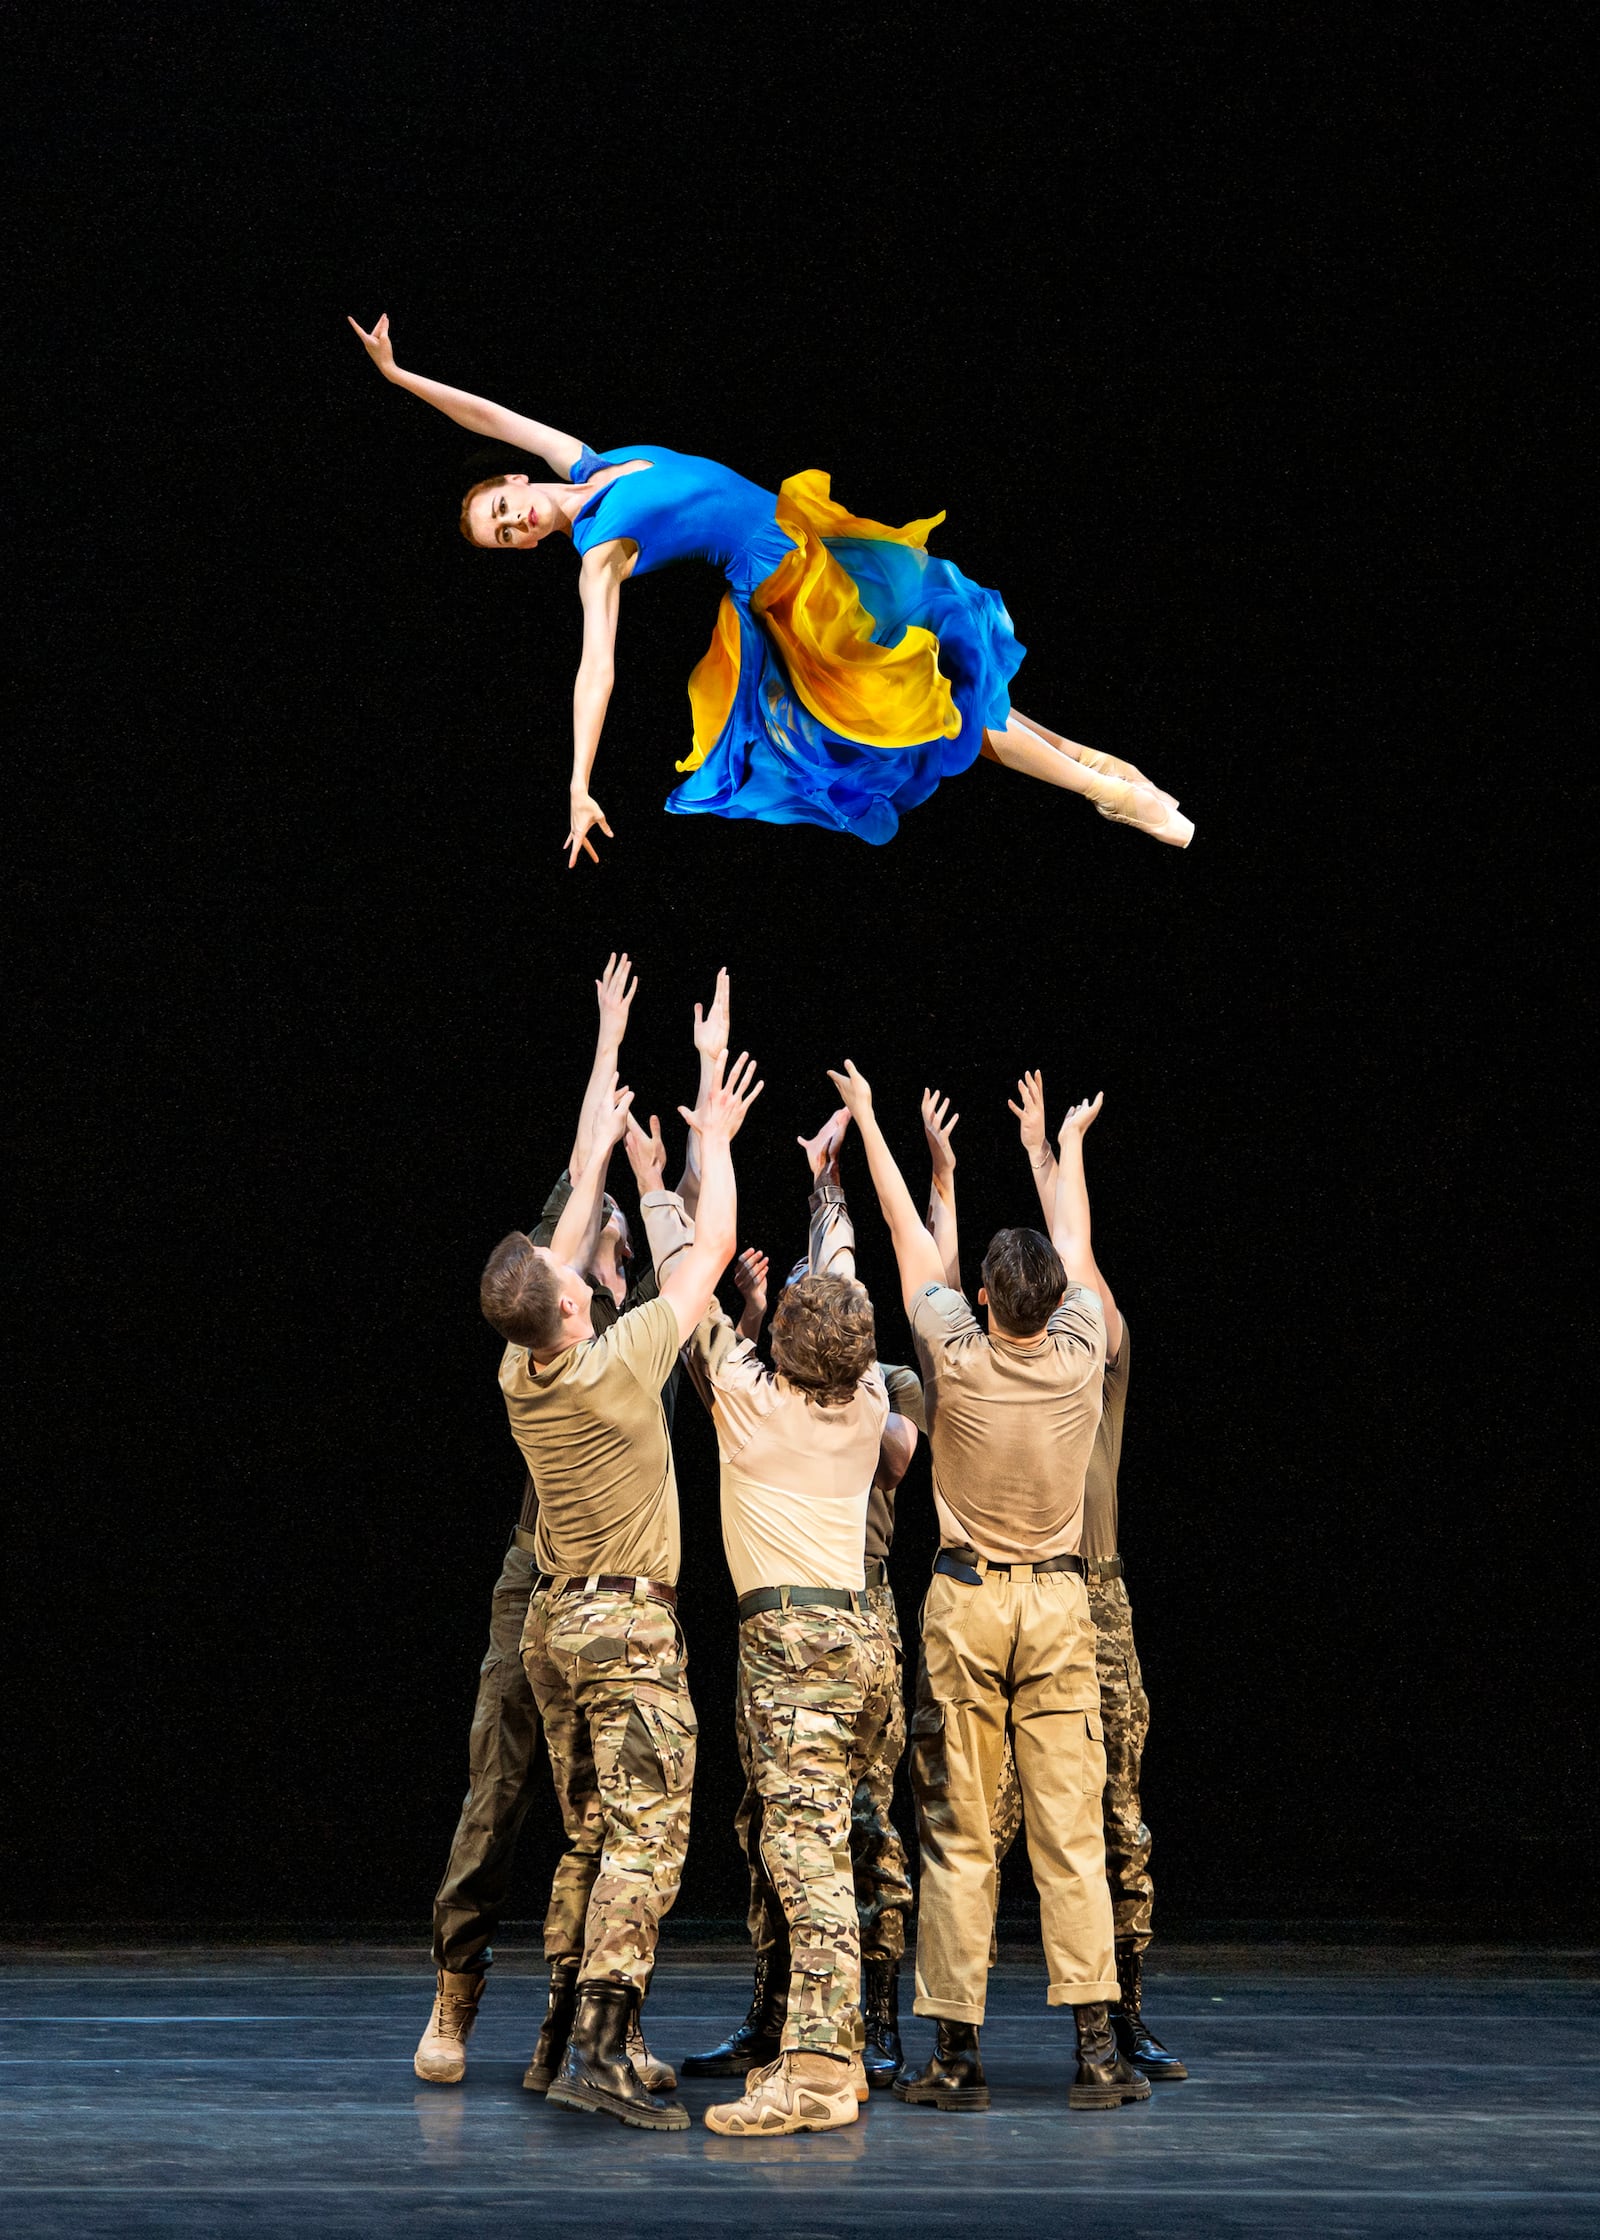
{"x": 877, "y": 1853}
{"x": 815, "y": 1686}
{"x": 608, "y": 1674}
{"x": 500, "y": 1772}
{"x": 1125, "y": 1712}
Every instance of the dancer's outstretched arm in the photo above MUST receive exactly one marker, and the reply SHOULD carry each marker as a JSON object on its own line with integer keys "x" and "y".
{"x": 717, "y": 1119}
{"x": 600, "y": 580}
{"x": 916, "y": 1254}
{"x": 1070, "y": 1230}
{"x": 479, "y": 414}
{"x": 1028, "y": 1105}
{"x": 615, "y": 991}
{"x": 942, "y": 1195}
{"x": 579, "y": 1224}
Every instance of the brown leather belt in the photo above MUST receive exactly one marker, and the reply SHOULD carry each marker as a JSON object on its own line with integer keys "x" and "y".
{"x": 954, "y": 1567}
{"x": 606, "y": 1582}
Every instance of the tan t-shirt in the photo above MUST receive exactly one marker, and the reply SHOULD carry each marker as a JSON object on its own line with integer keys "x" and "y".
{"x": 1010, "y": 1424}
{"x": 796, "y": 1477}
{"x": 1105, "y": 1460}
{"x": 594, "y": 1434}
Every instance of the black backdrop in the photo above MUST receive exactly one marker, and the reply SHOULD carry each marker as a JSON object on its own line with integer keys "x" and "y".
{"x": 1234, "y": 341}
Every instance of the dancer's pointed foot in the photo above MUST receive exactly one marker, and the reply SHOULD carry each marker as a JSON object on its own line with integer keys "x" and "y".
{"x": 1150, "y": 811}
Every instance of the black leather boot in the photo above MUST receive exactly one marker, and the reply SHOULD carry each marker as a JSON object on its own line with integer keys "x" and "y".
{"x": 596, "y": 2076}
{"x": 1104, "y": 2079}
{"x": 759, "y": 2037}
{"x": 882, "y": 2056}
{"x": 953, "y": 2078}
{"x": 556, "y": 2028}
{"x": 1136, "y": 2041}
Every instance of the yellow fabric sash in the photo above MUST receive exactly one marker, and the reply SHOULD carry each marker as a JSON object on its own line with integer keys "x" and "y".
{"x": 878, "y": 696}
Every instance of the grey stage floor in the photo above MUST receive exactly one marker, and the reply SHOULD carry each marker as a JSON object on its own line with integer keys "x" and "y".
{"x": 269, "y": 2091}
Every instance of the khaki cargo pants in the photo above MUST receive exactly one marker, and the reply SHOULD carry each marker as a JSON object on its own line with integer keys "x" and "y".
{"x": 607, "y": 1671}
{"x": 1020, "y": 1649}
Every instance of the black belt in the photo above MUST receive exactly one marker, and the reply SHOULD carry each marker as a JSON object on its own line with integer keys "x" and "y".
{"x": 805, "y": 1598}
{"x": 877, "y": 1572}
{"x": 953, "y": 1568}
{"x": 1104, "y": 1567}
{"x": 606, "y": 1582}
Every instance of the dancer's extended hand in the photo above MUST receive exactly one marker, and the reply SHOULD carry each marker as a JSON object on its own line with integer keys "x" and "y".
{"x": 724, "y": 1103}
{"x": 822, "y": 1150}
{"x": 647, "y": 1154}
{"x": 1081, "y": 1117}
{"x": 1030, "y": 1112}
{"x": 711, "y": 1026}
{"x": 750, "y": 1274}
{"x": 586, "y": 815}
{"x": 377, "y": 345}
{"x": 616, "y": 993}
{"x": 855, "y": 1092}
{"x": 611, "y": 1120}
{"x": 938, "y": 1131}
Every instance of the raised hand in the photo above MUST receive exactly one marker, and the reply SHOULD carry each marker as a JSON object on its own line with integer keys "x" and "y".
{"x": 377, "y": 345}
{"x": 724, "y": 1103}
{"x": 855, "y": 1091}
{"x": 1030, "y": 1112}
{"x": 1081, "y": 1118}
{"x": 647, "y": 1155}
{"x": 611, "y": 1120}
{"x": 938, "y": 1129}
{"x": 822, "y": 1150}
{"x": 587, "y": 814}
{"x": 750, "y": 1274}
{"x": 711, "y": 1028}
{"x": 616, "y": 992}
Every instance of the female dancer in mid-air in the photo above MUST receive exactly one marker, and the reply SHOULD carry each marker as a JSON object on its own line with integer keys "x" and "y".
{"x": 849, "y": 672}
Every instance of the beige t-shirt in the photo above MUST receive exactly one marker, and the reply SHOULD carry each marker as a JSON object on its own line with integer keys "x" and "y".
{"x": 796, "y": 1477}
{"x": 1105, "y": 1460}
{"x": 594, "y": 1434}
{"x": 1010, "y": 1425}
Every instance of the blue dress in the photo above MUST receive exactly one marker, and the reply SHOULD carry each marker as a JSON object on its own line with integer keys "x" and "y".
{"x": 849, "y": 671}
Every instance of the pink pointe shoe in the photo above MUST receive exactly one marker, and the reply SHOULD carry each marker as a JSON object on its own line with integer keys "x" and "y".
{"x": 1152, "y": 812}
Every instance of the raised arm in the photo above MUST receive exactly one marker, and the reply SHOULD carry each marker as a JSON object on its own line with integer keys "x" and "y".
{"x": 614, "y": 992}
{"x": 1028, "y": 1105}
{"x": 942, "y": 1193}
{"x": 831, "y": 1238}
{"x": 477, "y": 413}
{"x": 600, "y": 590}
{"x": 750, "y": 1274}
{"x": 711, "y": 1029}
{"x": 575, "y": 1233}
{"x": 1070, "y": 1230}
{"x": 916, "y": 1254}
{"x": 690, "y": 1286}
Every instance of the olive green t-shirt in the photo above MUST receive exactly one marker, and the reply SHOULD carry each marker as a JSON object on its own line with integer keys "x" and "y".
{"x": 1105, "y": 1460}
{"x": 593, "y": 1433}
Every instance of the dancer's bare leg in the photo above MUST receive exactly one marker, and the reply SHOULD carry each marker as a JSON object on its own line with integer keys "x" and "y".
{"x": 1027, "y": 747}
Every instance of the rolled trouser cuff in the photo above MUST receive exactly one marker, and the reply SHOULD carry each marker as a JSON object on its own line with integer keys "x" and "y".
{"x": 951, "y": 2010}
{"x": 1084, "y": 1994}
{"x": 821, "y": 2035}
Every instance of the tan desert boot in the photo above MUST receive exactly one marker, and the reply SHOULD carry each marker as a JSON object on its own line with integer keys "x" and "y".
{"x": 441, "y": 2056}
{"x": 797, "y": 2092}
{"x": 653, "y": 2073}
{"x": 858, "y": 2080}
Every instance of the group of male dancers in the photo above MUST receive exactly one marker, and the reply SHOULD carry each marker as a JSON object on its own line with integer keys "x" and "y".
{"x": 1029, "y": 1711}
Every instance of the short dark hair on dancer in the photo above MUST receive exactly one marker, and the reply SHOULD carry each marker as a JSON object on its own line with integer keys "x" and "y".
{"x": 824, "y": 1338}
{"x": 520, "y": 1295}
{"x": 489, "y": 482}
{"x": 1024, "y": 1278}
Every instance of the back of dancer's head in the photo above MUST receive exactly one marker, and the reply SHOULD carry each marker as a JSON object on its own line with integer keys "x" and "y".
{"x": 489, "y": 482}
{"x": 824, "y": 1338}
{"x": 520, "y": 1294}
{"x": 1023, "y": 1275}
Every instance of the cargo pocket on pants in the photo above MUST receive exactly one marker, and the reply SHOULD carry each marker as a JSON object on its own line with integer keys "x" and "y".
{"x": 658, "y": 1744}
{"x": 1094, "y": 1754}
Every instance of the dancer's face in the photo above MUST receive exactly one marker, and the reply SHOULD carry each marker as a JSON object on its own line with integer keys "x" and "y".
{"x": 512, "y": 517}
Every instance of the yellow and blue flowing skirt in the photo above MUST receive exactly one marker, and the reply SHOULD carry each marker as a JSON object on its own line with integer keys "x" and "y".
{"x": 850, "y": 681}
